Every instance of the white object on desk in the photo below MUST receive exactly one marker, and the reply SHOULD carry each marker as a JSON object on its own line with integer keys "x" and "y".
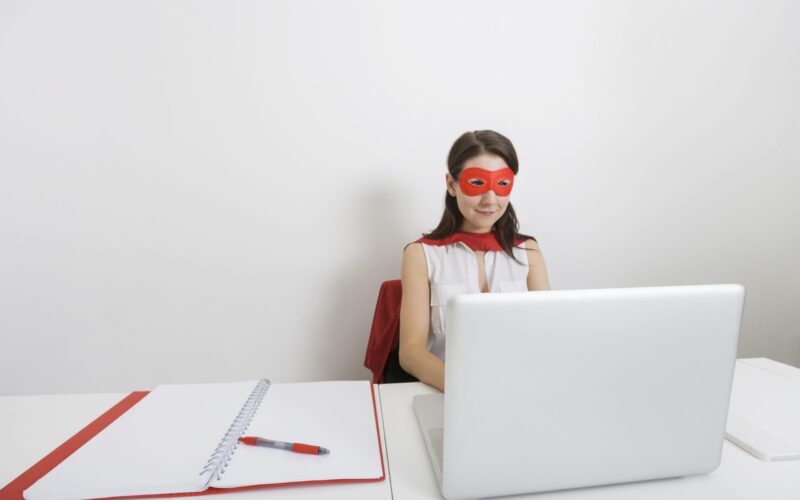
{"x": 598, "y": 387}
{"x": 764, "y": 415}
{"x": 428, "y": 408}
{"x": 758, "y": 442}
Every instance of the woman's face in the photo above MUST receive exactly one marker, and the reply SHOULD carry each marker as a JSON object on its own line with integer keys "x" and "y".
{"x": 483, "y": 210}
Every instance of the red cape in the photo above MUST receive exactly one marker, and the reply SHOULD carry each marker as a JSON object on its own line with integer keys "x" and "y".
{"x": 476, "y": 241}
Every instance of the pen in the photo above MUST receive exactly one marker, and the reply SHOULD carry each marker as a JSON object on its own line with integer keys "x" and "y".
{"x": 295, "y": 447}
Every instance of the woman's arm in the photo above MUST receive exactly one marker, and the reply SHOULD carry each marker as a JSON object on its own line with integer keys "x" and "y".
{"x": 415, "y": 317}
{"x": 537, "y": 273}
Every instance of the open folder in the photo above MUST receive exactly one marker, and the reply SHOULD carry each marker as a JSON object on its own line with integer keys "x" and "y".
{"x": 184, "y": 439}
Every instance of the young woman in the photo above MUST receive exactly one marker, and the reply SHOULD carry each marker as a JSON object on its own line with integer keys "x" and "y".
{"x": 476, "y": 248}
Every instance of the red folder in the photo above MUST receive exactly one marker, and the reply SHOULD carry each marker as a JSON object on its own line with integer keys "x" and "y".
{"x": 14, "y": 489}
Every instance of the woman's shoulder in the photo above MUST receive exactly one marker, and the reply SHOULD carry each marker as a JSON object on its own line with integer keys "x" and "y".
{"x": 414, "y": 247}
{"x": 414, "y": 260}
{"x": 424, "y": 241}
{"x": 531, "y": 244}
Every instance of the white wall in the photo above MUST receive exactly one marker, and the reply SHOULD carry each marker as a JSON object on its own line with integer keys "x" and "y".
{"x": 213, "y": 190}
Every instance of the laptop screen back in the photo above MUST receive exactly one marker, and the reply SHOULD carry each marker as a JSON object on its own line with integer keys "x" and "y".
{"x": 563, "y": 389}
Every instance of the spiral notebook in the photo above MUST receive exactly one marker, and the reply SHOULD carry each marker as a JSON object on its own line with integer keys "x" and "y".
{"x": 184, "y": 439}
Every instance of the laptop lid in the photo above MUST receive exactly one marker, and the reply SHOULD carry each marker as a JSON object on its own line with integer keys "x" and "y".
{"x": 564, "y": 389}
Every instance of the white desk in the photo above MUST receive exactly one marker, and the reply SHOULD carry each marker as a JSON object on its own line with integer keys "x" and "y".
{"x": 740, "y": 475}
{"x": 33, "y": 426}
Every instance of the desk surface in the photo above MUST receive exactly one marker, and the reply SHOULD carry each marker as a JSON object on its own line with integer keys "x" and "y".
{"x": 32, "y": 426}
{"x": 740, "y": 475}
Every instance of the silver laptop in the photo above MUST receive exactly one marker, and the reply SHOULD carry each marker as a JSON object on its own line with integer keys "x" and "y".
{"x": 566, "y": 389}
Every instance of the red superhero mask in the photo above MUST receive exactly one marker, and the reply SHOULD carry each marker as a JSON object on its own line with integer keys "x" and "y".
{"x": 475, "y": 181}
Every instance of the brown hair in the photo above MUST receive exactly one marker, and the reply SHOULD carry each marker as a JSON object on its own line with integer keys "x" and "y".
{"x": 466, "y": 147}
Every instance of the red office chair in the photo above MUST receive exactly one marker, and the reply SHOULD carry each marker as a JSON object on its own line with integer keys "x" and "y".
{"x": 382, "y": 349}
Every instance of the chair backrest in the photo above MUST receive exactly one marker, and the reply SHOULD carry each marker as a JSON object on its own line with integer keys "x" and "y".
{"x": 384, "y": 336}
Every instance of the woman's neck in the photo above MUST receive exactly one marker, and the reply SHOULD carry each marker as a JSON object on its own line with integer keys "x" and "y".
{"x": 475, "y": 230}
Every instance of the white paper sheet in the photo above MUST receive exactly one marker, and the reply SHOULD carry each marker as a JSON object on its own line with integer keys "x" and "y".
{"x": 339, "y": 416}
{"x": 162, "y": 443}
{"x": 158, "y": 446}
{"x": 768, "y": 402}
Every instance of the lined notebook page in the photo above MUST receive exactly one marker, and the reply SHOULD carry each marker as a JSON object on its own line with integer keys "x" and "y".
{"x": 159, "y": 446}
{"x": 336, "y": 415}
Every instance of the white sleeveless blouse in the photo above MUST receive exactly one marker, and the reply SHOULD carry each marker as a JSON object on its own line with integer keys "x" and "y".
{"x": 453, "y": 269}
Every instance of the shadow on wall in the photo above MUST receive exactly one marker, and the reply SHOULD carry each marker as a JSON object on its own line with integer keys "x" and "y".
{"x": 375, "y": 255}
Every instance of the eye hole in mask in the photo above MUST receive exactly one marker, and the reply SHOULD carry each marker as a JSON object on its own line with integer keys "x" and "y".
{"x": 475, "y": 181}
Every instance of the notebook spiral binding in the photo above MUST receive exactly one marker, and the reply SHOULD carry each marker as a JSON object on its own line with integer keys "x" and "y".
{"x": 222, "y": 455}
